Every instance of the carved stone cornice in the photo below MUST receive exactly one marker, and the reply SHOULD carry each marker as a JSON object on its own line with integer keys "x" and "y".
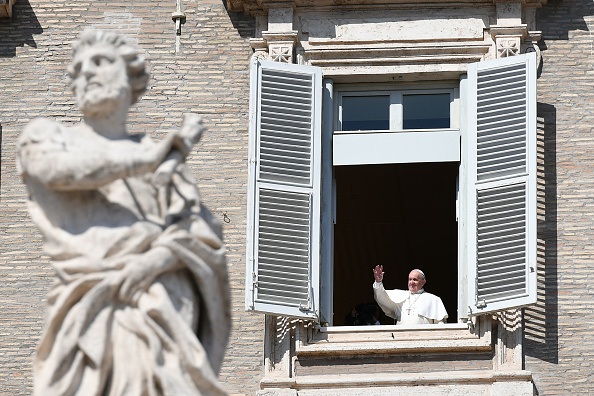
{"x": 518, "y": 30}
{"x": 280, "y": 36}
{"x": 260, "y": 47}
{"x": 259, "y": 7}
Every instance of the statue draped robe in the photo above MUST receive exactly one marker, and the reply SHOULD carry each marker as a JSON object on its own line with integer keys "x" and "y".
{"x": 170, "y": 338}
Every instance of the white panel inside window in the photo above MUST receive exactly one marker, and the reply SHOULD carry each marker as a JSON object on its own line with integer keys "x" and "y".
{"x": 396, "y": 148}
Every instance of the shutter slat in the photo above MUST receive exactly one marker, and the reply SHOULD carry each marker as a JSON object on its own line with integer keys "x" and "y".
{"x": 504, "y": 147}
{"x": 282, "y": 272}
{"x": 281, "y": 153}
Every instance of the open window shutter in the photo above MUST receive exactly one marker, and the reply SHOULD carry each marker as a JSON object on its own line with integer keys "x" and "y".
{"x": 501, "y": 184}
{"x": 284, "y": 189}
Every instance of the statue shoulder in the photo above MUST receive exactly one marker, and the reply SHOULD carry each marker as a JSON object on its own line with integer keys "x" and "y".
{"x": 39, "y": 137}
{"x": 40, "y": 130}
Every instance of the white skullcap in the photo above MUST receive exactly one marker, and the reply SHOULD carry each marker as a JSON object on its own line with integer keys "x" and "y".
{"x": 420, "y": 272}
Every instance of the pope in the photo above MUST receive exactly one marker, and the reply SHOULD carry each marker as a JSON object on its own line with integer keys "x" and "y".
{"x": 412, "y": 306}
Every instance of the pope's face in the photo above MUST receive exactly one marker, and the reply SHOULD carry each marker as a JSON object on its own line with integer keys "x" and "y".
{"x": 100, "y": 81}
{"x": 415, "y": 281}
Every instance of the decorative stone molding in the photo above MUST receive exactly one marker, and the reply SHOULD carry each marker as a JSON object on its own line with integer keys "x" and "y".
{"x": 279, "y": 343}
{"x": 281, "y": 52}
{"x": 279, "y": 39}
{"x": 363, "y": 41}
{"x": 278, "y": 47}
{"x": 507, "y": 46}
{"x": 398, "y": 339}
{"x": 509, "y": 340}
{"x": 255, "y": 7}
{"x": 530, "y": 45}
{"x": 6, "y": 8}
{"x": 509, "y": 32}
{"x": 260, "y": 48}
{"x": 281, "y": 46}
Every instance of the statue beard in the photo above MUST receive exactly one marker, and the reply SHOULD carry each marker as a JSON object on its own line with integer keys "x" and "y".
{"x": 102, "y": 101}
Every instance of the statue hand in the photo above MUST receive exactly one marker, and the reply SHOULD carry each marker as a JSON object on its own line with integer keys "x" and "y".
{"x": 140, "y": 272}
{"x": 190, "y": 133}
{"x": 134, "y": 279}
{"x": 378, "y": 273}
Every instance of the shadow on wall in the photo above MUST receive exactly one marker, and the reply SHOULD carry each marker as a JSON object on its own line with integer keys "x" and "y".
{"x": 19, "y": 30}
{"x": 562, "y": 16}
{"x": 0, "y": 156}
{"x": 541, "y": 338}
{"x": 556, "y": 19}
{"x": 244, "y": 24}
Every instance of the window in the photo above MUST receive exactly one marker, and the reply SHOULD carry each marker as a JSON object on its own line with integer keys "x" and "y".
{"x": 376, "y": 127}
{"x": 290, "y": 259}
{"x": 426, "y": 111}
{"x": 395, "y": 110}
{"x": 365, "y": 113}
{"x": 394, "y": 195}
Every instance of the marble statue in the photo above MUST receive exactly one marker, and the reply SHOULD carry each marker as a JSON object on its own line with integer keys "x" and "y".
{"x": 141, "y": 301}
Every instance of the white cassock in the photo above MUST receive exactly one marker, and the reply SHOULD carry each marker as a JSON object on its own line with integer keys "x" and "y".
{"x": 410, "y": 308}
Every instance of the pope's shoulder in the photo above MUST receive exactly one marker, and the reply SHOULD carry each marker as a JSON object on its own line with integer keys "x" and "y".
{"x": 431, "y": 295}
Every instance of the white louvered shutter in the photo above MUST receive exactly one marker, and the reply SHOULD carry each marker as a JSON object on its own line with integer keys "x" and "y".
{"x": 284, "y": 190}
{"x": 501, "y": 172}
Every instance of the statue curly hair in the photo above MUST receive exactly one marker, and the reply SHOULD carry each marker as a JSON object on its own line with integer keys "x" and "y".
{"x": 136, "y": 67}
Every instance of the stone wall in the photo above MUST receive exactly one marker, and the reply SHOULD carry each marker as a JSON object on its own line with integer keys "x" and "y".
{"x": 559, "y": 331}
{"x": 209, "y": 76}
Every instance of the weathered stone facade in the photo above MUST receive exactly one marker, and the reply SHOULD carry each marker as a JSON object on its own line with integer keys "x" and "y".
{"x": 209, "y": 75}
{"x": 558, "y": 331}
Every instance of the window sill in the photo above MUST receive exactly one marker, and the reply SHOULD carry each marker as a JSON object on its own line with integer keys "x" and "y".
{"x": 393, "y": 328}
{"x": 362, "y": 340}
{"x": 365, "y": 131}
{"x": 354, "y": 382}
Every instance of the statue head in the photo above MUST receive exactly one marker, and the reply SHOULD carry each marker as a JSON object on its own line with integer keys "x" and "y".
{"x": 105, "y": 72}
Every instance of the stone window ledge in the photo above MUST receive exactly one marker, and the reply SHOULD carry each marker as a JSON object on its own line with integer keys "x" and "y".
{"x": 362, "y": 340}
{"x": 395, "y": 379}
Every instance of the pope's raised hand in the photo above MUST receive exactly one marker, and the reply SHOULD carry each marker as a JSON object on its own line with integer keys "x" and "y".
{"x": 378, "y": 273}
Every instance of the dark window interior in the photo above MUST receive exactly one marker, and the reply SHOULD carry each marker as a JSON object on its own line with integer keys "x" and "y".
{"x": 366, "y": 113}
{"x": 426, "y": 111}
{"x": 402, "y": 216}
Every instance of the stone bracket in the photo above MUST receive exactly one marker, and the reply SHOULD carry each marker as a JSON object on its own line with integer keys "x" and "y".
{"x": 275, "y": 46}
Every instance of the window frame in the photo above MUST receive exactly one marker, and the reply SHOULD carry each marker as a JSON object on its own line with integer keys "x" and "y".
{"x": 320, "y": 242}
{"x": 426, "y": 136}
